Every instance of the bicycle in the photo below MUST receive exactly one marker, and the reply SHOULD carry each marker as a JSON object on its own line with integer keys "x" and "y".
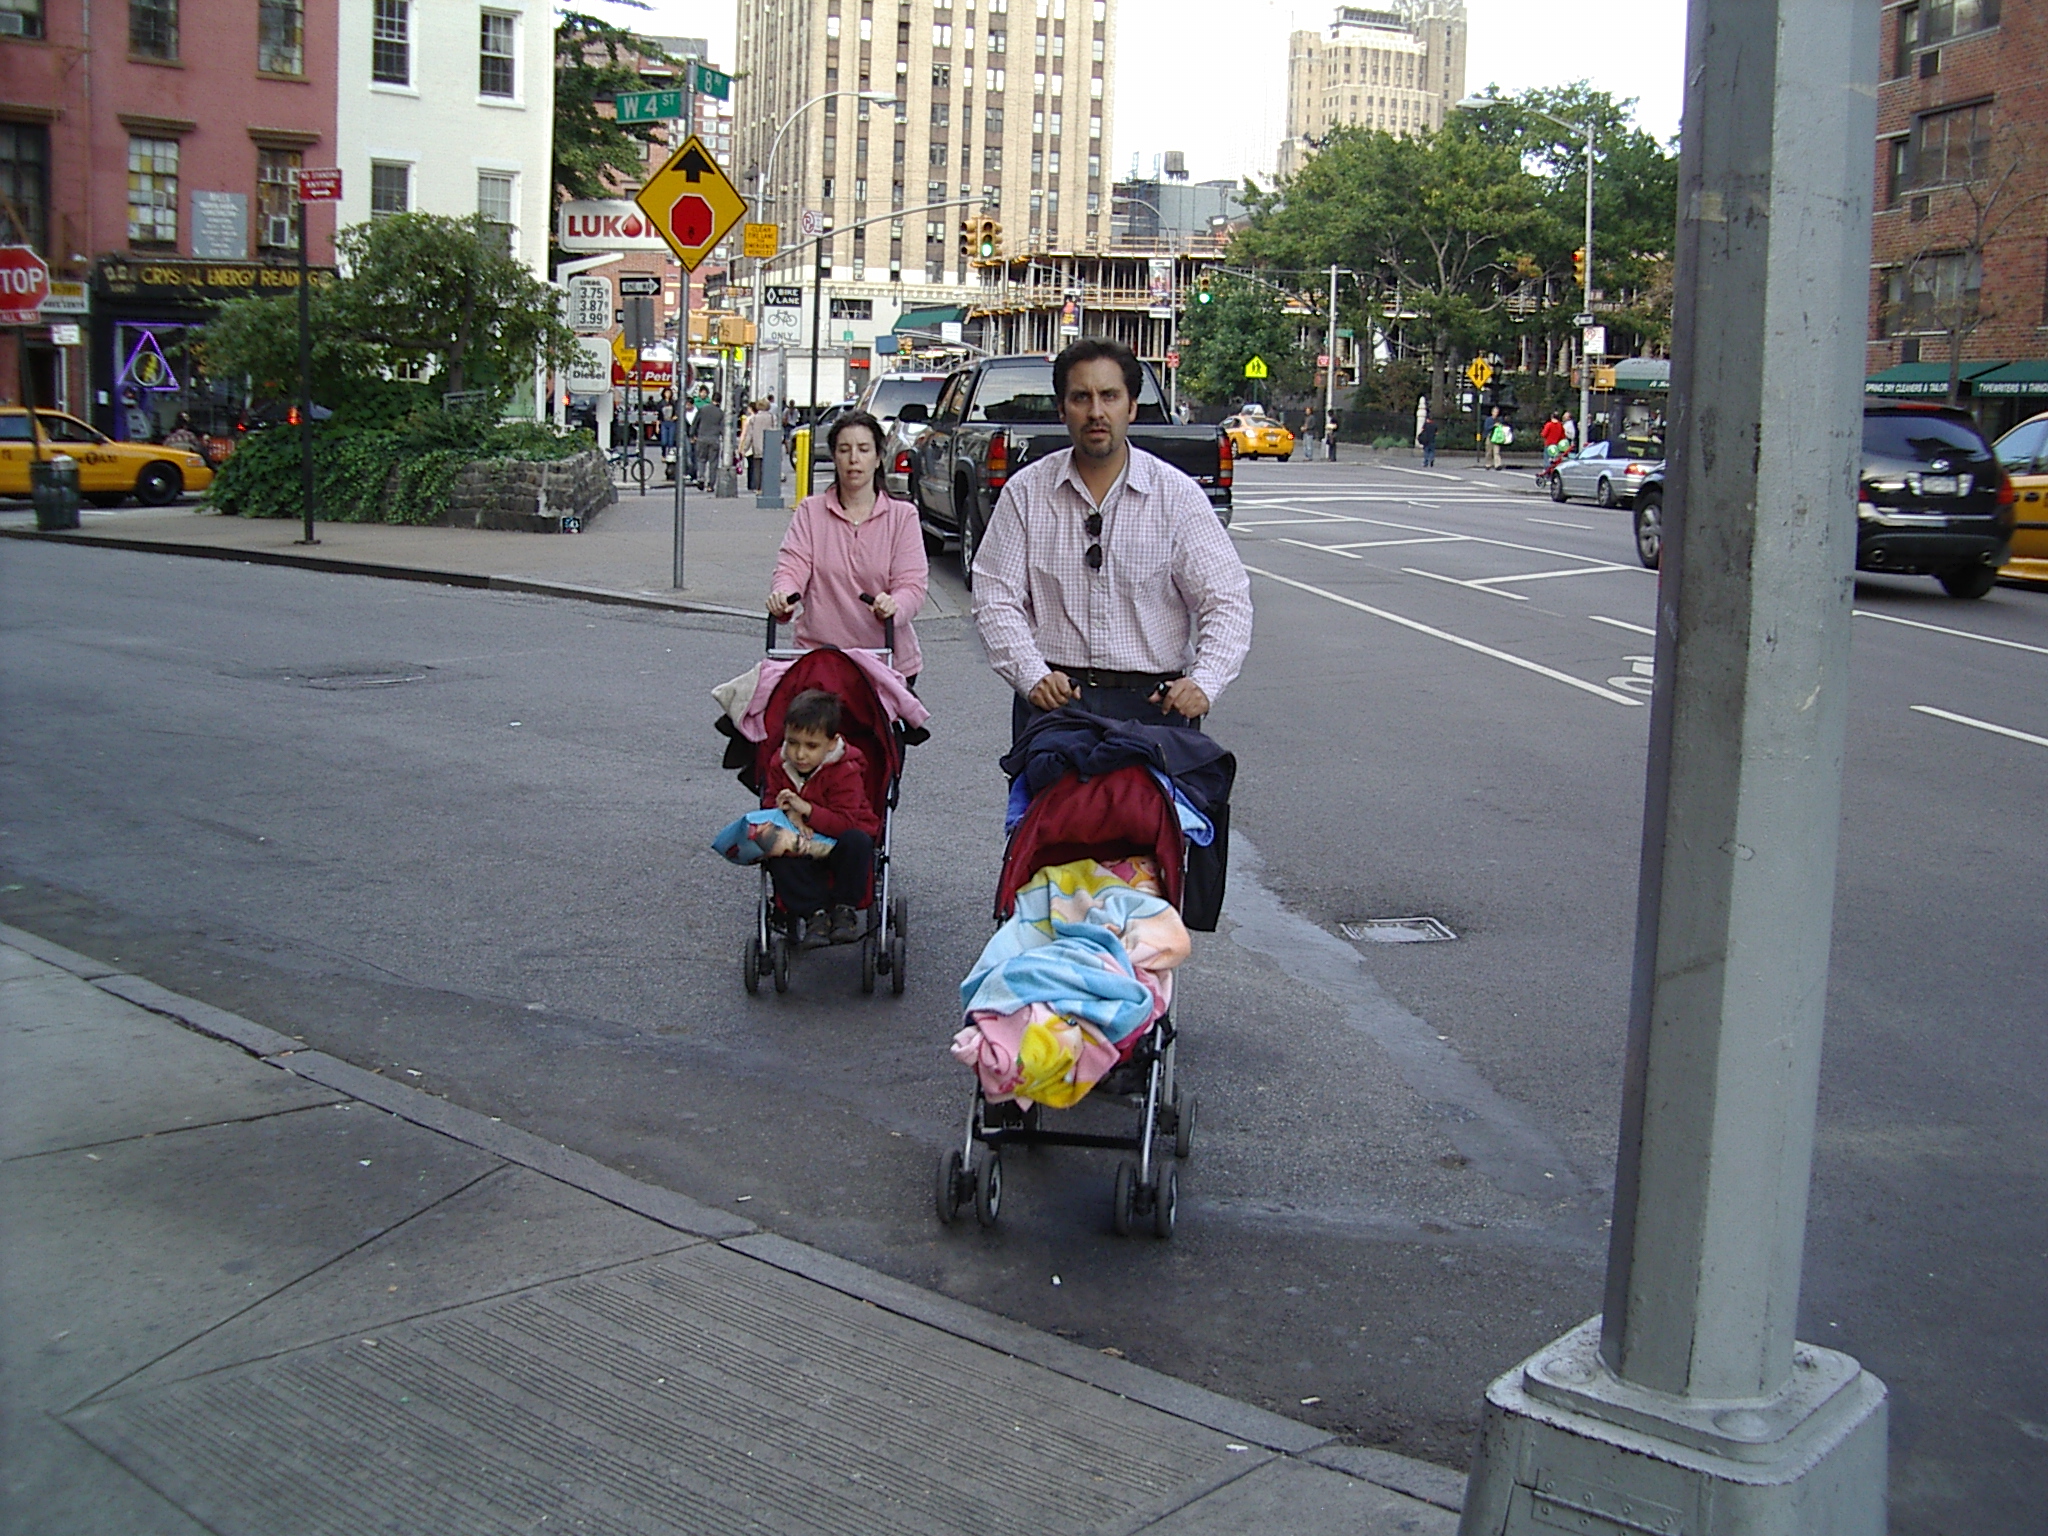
{"x": 628, "y": 464}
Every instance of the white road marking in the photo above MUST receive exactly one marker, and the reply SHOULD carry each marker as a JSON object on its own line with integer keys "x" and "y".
{"x": 1434, "y": 474}
{"x": 1458, "y": 640}
{"x": 1601, "y": 618}
{"x": 1319, "y": 548}
{"x": 1982, "y": 725}
{"x": 1551, "y": 522}
{"x": 1409, "y": 570}
{"x": 1960, "y": 634}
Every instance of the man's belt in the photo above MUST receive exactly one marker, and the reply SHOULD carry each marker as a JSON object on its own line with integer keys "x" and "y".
{"x": 1102, "y": 677}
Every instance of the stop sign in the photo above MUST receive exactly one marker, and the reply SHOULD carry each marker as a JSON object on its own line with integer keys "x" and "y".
{"x": 24, "y": 284}
{"x": 692, "y": 219}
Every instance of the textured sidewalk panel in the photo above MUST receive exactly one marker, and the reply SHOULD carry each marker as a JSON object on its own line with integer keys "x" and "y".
{"x": 1294, "y": 1497}
{"x": 702, "y": 1392}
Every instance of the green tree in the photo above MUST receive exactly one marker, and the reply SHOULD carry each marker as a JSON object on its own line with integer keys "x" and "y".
{"x": 594, "y": 61}
{"x": 422, "y": 294}
{"x": 1228, "y": 323}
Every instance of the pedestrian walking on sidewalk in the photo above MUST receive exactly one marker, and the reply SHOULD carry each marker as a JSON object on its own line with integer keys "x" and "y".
{"x": 1427, "y": 438}
{"x": 854, "y": 555}
{"x": 1330, "y": 437}
{"x": 707, "y": 435}
{"x": 754, "y": 440}
{"x": 1105, "y": 579}
{"x": 1498, "y": 436}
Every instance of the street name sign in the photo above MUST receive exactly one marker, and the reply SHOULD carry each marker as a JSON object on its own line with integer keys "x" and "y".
{"x": 320, "y": 184}
{"x": 648, "y": 106}
{"x": 24, "y": 284}
{"x": 692, "y": 203}
{"x": 707, "y": 81}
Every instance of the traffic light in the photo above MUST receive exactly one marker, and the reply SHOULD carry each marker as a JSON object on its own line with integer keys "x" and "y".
{"x": 985, "y": 239}
{"x": 1203, "y": 295}
{"x": 1579, "y": 266}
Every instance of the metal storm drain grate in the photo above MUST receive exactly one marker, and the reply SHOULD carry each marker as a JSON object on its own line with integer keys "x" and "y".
{"x": 1396, "y": 930}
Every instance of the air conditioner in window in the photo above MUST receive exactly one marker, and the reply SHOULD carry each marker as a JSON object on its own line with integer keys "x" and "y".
{"x": 13, "y": 23}
{"x": 278, "y": 230}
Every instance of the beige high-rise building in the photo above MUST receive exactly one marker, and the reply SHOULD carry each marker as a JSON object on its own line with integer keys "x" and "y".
{"x": 1398, "y": 67}
{"x": 1003, "y": 100}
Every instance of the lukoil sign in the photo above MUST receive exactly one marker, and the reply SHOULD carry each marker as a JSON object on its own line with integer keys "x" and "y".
{"x": 606, "y": 224}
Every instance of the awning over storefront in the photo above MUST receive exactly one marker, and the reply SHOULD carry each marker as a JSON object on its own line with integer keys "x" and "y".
{"x": 928, "y": 321}
{"x": 1924, "y": 379}
{"x": 2023, "y": 378}
{"x": 1642, "y": 375}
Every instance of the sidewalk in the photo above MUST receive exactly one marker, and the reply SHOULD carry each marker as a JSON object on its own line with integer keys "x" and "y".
{"x": 248, "y": 1288}
{"x": 626, "y": 554}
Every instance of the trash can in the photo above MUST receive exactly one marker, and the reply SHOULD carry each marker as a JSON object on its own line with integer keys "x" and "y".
{"x": 53, "y": 485}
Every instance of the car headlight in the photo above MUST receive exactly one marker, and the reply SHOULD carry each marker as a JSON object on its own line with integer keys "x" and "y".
{"x": 195, "y": 461}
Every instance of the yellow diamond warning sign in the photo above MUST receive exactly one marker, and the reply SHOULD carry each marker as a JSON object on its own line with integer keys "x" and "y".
{"x": 692, "y": 202}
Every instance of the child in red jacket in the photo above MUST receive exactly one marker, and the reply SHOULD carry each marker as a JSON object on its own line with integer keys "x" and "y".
{"x": 820, "y": 783}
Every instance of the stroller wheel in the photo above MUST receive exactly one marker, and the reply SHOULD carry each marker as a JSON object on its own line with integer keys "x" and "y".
{"x": 1124, "y": 1197}
{"x": 896, "y": 948}
{"x": 988, "y": 1188}
{"x": 1165, "y": 1198}
{"x": 1183, "y": 1122}
{"x": 952, "y": 1181}
{"x": 867, "y": 962}
{"x": 899, "y": 915}
{"x": 778, "y": 955}
{"x": 750, "y": 965}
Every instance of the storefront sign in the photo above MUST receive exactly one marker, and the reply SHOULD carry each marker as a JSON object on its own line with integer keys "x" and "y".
{"x": 606, "y": 225}
{"x": 199, "y": 280}
{"x": 220, "y": 226}
{"x": 66, "y": 298}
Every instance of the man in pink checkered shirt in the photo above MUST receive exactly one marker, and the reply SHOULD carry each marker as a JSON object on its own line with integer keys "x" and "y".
{"x": 1105, "y": 578}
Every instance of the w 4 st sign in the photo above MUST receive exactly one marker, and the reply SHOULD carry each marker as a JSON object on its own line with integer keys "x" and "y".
{"x": 24, "y": 284}
{"x": 692, "y": 202}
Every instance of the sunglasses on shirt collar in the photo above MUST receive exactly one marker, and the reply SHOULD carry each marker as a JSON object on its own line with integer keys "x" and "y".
{"x": 1094, "y": 528}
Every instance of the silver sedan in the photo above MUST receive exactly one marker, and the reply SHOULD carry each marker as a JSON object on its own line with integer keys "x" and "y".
{"x": 1607, "y": 473}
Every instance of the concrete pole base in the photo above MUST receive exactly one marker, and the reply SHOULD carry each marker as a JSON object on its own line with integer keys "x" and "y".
{"x": 1566, "y": 1445}
{"x": 728, "y": 484}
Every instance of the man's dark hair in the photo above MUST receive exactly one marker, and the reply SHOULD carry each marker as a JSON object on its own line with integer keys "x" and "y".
{"x": 854, "y": 419}
{"x": 1087, "y": 350}
{"x": 815, "y": 709}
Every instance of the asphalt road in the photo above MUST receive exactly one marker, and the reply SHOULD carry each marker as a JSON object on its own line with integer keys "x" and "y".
{"x": 459, "y": 837}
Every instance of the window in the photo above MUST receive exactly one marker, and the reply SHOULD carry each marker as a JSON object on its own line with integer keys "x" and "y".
{"x": 280, "y": 37}
{"x": 999, "y": 42}
{"x": 1938, "y": 293}
{"x": 1095, "y": 167}
{"x": 25, "y": 184}
{"x": 937, "y": 156}
{"x": 1898, "y": 159}
{"x": 941, "y": 114}
{"x": 992, "y": 157}
{"x": 942, "y": 34}
{"x": 942, "y": 76}
{"x": 1944, "y": 19}
{"x": 995, "y": 79}
{"x": 21, "y": 18}
{"x": 276, "y": 183}
{"x": 1037, "y": 162}
{"x": 391, "y": 42}
{"x": 852, "y": 309}
{"x": 1952, "y": 146}
{"x": 153, "y": 28}
{"x": 494, "y": 54}
{"x": 832, "y": 26}
{"x": 390, "y": 188}
{"x": 152, "y": 191}
{"x": 494, "y": 202}
{"x": 867, "y": 28}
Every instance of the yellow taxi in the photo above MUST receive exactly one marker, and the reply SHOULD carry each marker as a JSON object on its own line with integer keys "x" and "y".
{"x": 2023, "y": 453}
{"x": 108, "y": 472}
{"x": 1255, "y": 435}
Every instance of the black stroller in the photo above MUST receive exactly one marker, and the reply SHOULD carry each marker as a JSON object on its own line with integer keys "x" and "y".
{"x": 1121, "y": 814}
{"x": 866, "y": 722}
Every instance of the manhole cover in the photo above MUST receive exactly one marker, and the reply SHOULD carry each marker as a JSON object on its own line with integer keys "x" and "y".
{"x": 360, "y": 677}
{"x": 1396, "y": 930}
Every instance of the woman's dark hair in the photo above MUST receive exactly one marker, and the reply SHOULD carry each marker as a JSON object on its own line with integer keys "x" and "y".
{"x": 1087, "y": 350}
{"x": 815, "y": 709}
{"x": 854, "y": 419}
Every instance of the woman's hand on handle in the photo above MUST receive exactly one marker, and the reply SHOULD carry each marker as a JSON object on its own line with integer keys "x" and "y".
{"x": 884, "y": 605}
{"x": 781, "y": 605}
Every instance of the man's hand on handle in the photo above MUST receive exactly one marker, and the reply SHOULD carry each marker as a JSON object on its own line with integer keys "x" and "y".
{"x": 1054, "y": 690}
{"x": 1184, "y": 697}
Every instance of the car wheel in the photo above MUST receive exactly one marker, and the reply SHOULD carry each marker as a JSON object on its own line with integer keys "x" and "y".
{"x": 158, "y": 485}
{"x": 1649, "y": 521}
{"x": 1604, "y": 492}
{"x": 1968, "y": 581}
{"x": 1556, "y": 486}
{"x": 970, "y": 538}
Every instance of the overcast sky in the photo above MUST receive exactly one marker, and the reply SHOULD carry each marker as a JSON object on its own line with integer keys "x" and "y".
{"x": 1209, "y": 77}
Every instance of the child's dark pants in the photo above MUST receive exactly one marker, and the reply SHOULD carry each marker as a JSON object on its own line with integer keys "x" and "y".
{"x": 839, "y": 879}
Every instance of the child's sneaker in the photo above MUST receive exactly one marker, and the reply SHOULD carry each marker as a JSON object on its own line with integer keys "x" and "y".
{"x": 846, "y": 925}
{"x": 816, "y": 929}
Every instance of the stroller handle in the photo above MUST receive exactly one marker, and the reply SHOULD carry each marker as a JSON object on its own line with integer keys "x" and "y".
{"x": 888, "y": 625}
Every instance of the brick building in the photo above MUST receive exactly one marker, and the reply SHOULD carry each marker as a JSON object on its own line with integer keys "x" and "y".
{"x": 146, "y": 151}
{"x": 1959, "y": 250}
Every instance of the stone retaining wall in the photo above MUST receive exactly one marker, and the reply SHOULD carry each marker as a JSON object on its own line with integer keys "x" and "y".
{"x": 531, "y": 496}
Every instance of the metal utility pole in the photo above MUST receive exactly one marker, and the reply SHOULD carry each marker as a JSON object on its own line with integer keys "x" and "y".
{"x": 305, "y": 382}
{"x": 680, "y": 375}
{"x": 1586, "y": 361}
{"x": 1330, "y": 351}
{"x": 1688, "y": 1407}
{"x": 823, "y": 270}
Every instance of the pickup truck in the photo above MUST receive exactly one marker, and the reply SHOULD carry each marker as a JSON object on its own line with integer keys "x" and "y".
{"x": 997, "y": 416}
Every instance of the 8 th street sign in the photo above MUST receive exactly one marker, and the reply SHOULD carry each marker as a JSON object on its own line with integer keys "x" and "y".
{"x": 692, "y": 203}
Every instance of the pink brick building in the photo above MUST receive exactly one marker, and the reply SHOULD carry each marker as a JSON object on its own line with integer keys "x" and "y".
{"x": 146, "y": 150}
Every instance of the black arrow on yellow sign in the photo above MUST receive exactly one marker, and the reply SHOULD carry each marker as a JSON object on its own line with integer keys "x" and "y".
{"x": 695, "y": 166}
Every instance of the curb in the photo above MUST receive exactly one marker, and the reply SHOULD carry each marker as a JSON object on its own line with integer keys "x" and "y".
{"x": 1420, "y": 1480}
{"x": 428, "y": 574}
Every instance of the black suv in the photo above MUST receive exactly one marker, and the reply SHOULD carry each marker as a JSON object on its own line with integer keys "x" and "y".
{"x": 1933, "y": 500}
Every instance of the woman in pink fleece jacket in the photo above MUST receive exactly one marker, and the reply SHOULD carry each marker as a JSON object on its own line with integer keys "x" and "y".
{"x": 849, "y": 540}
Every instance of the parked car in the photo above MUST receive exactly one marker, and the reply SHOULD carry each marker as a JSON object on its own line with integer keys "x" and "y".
{"x": 884, "y": 400}
{"x": 998, "y": 415}
{"x": 1255, "y": 435}
{"x": 1609, "y": 473}
{"x": 2023, "y": 455}
{"x": 108, "y": 472}
{"x": 1933, "y": 500}
{"x": 821, "y": 434}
